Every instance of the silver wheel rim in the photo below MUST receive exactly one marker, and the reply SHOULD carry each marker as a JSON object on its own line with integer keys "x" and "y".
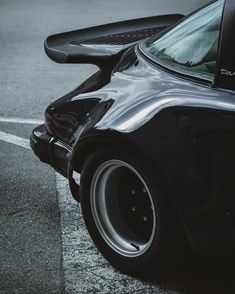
{"x": 122, "y": 208}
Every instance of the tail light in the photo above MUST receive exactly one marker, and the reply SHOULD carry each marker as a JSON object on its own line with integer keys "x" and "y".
{"x": 49, "y": 124}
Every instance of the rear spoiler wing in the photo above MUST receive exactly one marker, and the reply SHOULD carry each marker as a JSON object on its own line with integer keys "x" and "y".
{"x": 98, "y": 45}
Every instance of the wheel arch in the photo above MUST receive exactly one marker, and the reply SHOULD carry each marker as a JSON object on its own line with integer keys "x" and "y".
{"x": 87, "y": 146}
{"x": 83, "y": 148}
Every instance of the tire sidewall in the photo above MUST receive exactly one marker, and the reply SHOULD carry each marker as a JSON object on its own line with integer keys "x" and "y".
{"x": 154, "y": 255}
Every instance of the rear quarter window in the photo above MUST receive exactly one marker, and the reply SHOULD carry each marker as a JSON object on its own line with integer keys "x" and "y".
{"x": 191, "y": 46}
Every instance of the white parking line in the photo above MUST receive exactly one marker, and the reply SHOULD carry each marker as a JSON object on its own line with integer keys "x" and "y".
{"x": 85, "y": 270}
{"x": 9, "y": 138}
{"x": 19, "y": 120}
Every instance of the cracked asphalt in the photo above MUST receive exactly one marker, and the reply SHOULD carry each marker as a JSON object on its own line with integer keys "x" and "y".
{"x": 44, "y": 246}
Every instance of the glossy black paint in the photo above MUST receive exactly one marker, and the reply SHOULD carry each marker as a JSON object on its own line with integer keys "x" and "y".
{"x": 184, "y": 128}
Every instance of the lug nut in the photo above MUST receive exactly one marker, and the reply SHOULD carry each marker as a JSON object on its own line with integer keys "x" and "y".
{"x": 144, "y": 190}
{"x": 145, "y": 218}
{"x": 133, "y": 192}
{"x": 133, "y": 208}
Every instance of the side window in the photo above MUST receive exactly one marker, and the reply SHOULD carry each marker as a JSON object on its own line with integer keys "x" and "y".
{"x": 191, "y": 46}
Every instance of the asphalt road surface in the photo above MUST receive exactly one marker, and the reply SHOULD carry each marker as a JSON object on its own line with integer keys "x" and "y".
{"x": 44, "y": 246}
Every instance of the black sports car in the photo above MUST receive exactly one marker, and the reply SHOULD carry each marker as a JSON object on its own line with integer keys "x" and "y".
{"x": 152, "y": 134}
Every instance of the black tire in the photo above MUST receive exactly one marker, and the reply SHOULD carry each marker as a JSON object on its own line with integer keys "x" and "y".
{"x": 153, "y": 243}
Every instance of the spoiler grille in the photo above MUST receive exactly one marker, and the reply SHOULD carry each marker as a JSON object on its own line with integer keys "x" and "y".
{"x": 123, "y": 38}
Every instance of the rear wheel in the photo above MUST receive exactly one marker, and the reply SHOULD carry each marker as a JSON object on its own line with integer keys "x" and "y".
{"x": 125, "y": 211}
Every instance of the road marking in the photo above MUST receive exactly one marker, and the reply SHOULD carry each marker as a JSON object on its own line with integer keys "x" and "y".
{"x": 9, "y": 138}
{"x": 85, "y": 270}
{"x": 20, "y": 120}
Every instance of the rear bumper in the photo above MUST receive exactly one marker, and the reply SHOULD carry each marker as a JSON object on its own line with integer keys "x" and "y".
{"x": 50, "y": 150}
